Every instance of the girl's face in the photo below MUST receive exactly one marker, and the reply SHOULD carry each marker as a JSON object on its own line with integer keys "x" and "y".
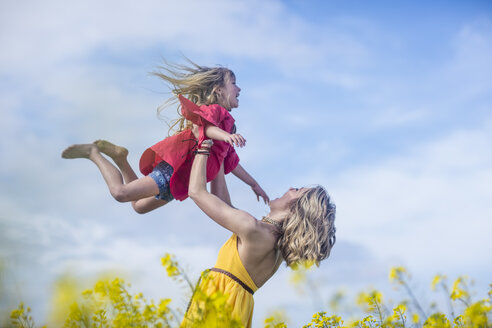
{"x": 228, "y": 93}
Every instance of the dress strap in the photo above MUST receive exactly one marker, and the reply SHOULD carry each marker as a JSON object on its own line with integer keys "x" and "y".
{"x": 236, "y": 279}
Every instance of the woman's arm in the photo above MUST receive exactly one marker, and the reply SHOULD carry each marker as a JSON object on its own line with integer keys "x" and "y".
{"x": 241, "y": 173}
{"x": 237, "y": 221}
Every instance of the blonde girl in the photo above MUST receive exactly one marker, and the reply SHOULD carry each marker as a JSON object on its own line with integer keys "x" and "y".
{"x": 206, "y": 96}
{"x": 300, "y": 228}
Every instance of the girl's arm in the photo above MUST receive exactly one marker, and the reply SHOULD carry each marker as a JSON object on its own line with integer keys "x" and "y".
{"x": 216, "y": 133}
{"x": 237, "y": 221}
{"x": 241, "y": 173}
{"x": 218, "y": 187}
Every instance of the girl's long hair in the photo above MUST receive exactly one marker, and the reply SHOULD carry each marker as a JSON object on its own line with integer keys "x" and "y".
{"x": 308, "y": 232}
{"x": 198, "y": 83}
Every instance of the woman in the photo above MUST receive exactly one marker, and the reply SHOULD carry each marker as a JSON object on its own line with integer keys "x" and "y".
{"x": 299, "y": 228}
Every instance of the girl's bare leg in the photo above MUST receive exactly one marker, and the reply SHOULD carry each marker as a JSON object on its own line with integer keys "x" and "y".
{"x": 119, "y": 156}
{"x": 148, "y": 204}
{"x": 134, "y": 190}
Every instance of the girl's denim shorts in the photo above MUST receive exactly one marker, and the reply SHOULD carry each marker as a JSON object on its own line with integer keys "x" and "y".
{"x": 162, "y": 175}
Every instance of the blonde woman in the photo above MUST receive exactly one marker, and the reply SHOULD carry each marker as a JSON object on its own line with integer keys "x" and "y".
{"x": 299, "y": 228}
{"x": 211, "y": 94}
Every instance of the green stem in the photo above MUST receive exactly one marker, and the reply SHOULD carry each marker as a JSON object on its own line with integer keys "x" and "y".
{"x": 316, "y": 296}
{"x": 175, "y": 317}
{"x": 379, "y": 312}
{"x": 414, "y": 300}
{"x": 450, "y": 303}
{"x": 185, "y": 276}
{"x": 402, "y": 318}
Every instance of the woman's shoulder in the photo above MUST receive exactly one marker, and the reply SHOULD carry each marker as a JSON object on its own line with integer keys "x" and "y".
{"x": 256, "y": 230}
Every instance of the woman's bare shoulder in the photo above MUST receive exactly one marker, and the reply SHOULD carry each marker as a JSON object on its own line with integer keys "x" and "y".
{"x": 258, "y": 232}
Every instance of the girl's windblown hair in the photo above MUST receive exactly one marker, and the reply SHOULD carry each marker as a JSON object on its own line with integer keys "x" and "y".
{"x": 197, "y": 83}
{"x": 309, "y": 229}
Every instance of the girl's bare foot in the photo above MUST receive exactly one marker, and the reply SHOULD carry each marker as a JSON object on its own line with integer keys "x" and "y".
{"x": 79, "y": 151}
{"x": 112, "y": 150}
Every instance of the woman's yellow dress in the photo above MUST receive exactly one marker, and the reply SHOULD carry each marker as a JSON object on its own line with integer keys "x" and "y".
{"x": 224, "y": 296}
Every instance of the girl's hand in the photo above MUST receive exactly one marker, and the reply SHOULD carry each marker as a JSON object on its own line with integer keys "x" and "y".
{"x": 235, "y": 140}
{"x": 259, "y": 192}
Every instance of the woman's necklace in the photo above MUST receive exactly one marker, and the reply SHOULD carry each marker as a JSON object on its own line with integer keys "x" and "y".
{"x": 275, "y": 223}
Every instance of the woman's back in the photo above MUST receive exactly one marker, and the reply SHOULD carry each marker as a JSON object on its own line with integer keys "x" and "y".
{"x": 258, "y": 253}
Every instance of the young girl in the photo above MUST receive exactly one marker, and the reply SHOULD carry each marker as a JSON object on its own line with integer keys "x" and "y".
{"x": 212, "y": 93}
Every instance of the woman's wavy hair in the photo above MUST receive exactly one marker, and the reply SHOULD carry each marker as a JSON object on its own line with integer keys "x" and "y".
{"x": 308, "y": 232}
{"x": 198, "y": 83}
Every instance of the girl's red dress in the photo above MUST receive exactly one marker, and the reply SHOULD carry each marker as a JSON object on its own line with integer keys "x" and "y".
{"x": 177, "y": 150}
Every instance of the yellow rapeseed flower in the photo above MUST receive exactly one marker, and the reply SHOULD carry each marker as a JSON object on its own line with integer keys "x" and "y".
{"x": 439, "y": 278}
{"x": 166, "y": 259}
{"x": 458, "y": 321}
{"x": 362, "y": 298}
{"x": 398, "y": 316}
{"x": 163, "y": 306}
{"x": 336, "y": 300}
{"x": 298, "y": 277}
{"x": 400, "y": 309}
{"x": 437, "y": 320}
{"x": 171, "y": 265}
{"x": 459, "y": 290}
{"x": 17, "y": 313}
{"x": 87, "y": 293}
{"x": 396, "y": 274}
{"x": 475, "y": 315}
{"x": 276, "y": 319}
{"x": 376, "y": 296}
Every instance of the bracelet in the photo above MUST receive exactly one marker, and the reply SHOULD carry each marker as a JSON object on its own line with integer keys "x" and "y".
{"x": 202, "y": 152}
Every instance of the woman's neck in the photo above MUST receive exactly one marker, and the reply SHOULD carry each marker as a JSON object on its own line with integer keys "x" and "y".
{"x": 277, "y": 215}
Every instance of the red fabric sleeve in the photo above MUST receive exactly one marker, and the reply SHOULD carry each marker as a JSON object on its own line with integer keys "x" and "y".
{"x": 213, "y": 114}
{"x": 230, "y": 161}
{"x": 147, "y": 161}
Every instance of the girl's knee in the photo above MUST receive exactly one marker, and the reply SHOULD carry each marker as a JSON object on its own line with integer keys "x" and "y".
{"x": 146, "y": 205}
{"x": 139, "y": 208}
{"x": 120, "y": 194}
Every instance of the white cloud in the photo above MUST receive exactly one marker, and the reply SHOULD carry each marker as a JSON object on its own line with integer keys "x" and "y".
{"x": 463, "y": 82}
{"x": 256, "y": 30}
{"x": 429, "y": 203}
{"x": 394, "y": 117}
{"x": 471, "y": 68}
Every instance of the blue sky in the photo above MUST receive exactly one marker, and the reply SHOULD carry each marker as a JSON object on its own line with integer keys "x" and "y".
{"x": 387, "y": 106}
